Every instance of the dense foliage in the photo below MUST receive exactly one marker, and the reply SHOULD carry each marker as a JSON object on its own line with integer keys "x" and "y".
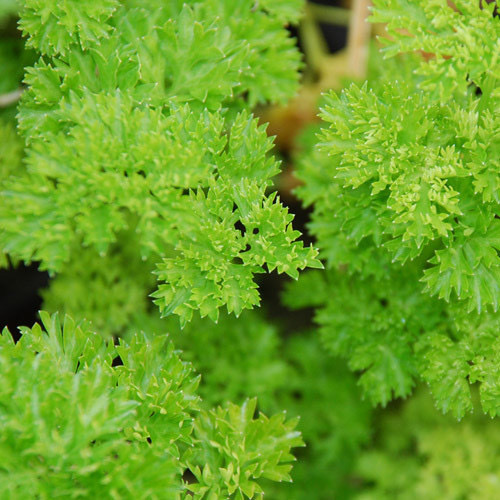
{"x": 134, "y": 171}
{"x": 159, "y": 147}
{"x": 82, "y": 417}
{"x": 405, "y": 188}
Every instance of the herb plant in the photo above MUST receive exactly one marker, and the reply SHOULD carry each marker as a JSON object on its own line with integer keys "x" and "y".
{"x": 140, "y": 151}
{"x": 77, "y": 423}
{"x": 141, "y": 114}
{"x": 404, "y": 184}
{"x": 135, "y": 173}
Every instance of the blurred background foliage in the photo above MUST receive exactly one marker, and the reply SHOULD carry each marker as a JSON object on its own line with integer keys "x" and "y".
{"x": 407, "y": 450}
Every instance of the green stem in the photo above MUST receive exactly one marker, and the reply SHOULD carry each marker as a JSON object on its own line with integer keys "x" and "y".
{"x": 330, "y": 15}
{"x": 315, "y": 47}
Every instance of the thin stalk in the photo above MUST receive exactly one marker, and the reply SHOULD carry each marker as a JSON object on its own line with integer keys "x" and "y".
{"x": 331, "y": 15}
{"x": 315, "y": 47}
{"x": 358, "y": 39}
{"x": 10, "y": 98}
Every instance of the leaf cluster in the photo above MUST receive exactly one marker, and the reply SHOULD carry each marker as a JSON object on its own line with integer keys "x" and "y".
{"x": 136, "y": 121}
{"x": 421, "y": 454}
{"x": 253, "y": 357}
{"x": 420, "y": 177}
{"x": 83, "y": 417}
{"x": 404, "y": 189}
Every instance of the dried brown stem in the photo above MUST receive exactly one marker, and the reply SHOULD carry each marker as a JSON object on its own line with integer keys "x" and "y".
{"x": 358, "y": 40}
